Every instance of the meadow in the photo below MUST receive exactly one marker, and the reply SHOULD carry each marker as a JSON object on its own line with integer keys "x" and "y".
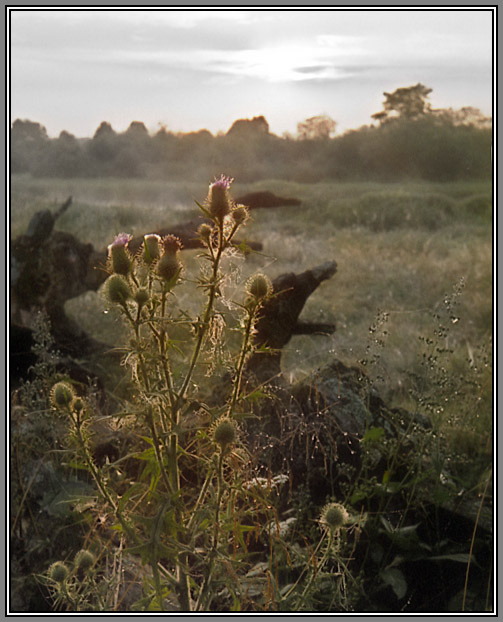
{"x": 411, "y": 299}
{"x": 401, "y": 248}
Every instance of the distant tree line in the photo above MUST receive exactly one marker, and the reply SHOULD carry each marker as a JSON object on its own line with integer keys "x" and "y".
{"x": 407, "y": 139}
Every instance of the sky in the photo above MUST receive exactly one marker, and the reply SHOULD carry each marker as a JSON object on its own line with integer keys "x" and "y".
{"x": 192, "y": 69}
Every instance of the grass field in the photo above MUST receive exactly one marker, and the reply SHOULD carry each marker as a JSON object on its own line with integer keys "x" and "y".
{"x": 400, "y": 248}
{"x": 412, "y": 297}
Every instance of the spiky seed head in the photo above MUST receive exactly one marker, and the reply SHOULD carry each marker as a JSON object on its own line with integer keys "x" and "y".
{"x": 224, "y": 432}
{"x": 219, "y": 202}
{"x": 171, "y": 244}
{"x": 141, "y": 297}
{"x": 84, "y": 560}
{"x": 118, "y": 254}
{"x": 78, "y": 405}
{"x": 58, "y": 572}
{"x": 259, "y": 286}
{"x": 151, "y": 248}
{"x": 62, "y": 394}
{"x": 205, "y": 231}
{"x": 334, "y": 516}
{"x": 117, "y": 289}
{"x": 240, "y": 214}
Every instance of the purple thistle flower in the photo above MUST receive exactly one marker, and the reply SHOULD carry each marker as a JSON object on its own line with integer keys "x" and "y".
{"x": 122, "y": 239}
{"x": 222, "y": 182}
{"x": 218, "y": 201}
{"x": 118, "y": 254}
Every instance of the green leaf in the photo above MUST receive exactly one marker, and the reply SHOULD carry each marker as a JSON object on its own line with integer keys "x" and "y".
{"x": 256, "y": 396}
{"x": 395, "y": 579}
{"x": 358, "y": 495}
{"x": 127, "y": 495}
{"x": 372, "y": 435}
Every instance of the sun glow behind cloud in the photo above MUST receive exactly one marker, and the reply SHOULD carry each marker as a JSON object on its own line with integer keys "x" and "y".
{"x": 287, "y": 62}
{"x": 188, "y": 69}
{"x": 327, "y": 58}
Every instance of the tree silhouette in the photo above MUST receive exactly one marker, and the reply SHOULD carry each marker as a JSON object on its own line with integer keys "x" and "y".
{"x": 409, "y": 102}
{"x": 257, "y": 126}
{"x": 320, "y": 127}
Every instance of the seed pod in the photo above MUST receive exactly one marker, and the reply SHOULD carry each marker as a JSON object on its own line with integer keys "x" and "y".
{"x": 117, "y": 289}
{"x": 141, "y": 297}
{"x": 205, "y": 232}
{"x": 224, "y": 432}
{"x": 78, "y": 405}
{"x": 168, "y": 267}
{"x": 240, "y": 214}
{"x": 62, "y": 394}
{"x": 334, "y": 516}
{"x": 84, "y": 560}
{"x": 259, "y": 286}
{"x": 58, "y": 572}
{"x": 171, "y": 244}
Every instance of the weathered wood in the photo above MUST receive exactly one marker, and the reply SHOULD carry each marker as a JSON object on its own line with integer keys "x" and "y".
{"x": 279, "y": 318}
{"x": 266, "y": 199}
{"x": 48, "y": 268}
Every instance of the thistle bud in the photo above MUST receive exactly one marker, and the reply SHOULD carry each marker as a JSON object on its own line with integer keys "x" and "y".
{"x": 118, "y": 254}
{"x": 117, "y": 289}
{"x": 205, "y": 232}
{"x": 58, "y": 572}
{"x": 218, "y": 202}
{"x": 141, "y": 297}
{"x": 84, "y": 560}
{"x": 171, "y": 244}
{"x": 78, "y": 405}
{"x": 62, "y": 394}
{"x": 151, "y": 248}
{"x": 169, "y": 265}
{"x": 334, "y": 516}
{"x": 240, "y": 214}
{"x": 259, "y": 286}
{"x": 224, "y": 432}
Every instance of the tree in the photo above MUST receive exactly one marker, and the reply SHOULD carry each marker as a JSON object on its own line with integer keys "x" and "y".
{"x": 103, "y": 148}
{"x": 257, "y": 126}
{"x": 28, "y": 142}
{"x": 320, "y": 127}
{"x": 409, "y": 102}
{"x": 466, "y": 116}
{"x": 63, "y": 157}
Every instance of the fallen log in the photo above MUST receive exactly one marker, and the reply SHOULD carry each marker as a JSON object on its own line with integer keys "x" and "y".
{"x": 50, "y": 267}
{"x": 265, "y": 199}
{"x": 279, "y": 319}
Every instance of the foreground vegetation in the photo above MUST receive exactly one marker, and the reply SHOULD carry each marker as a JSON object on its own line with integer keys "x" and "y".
{"x": 412, "y": 302}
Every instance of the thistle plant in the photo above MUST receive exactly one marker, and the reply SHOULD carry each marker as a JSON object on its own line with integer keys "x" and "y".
{"x": 183, "y": 516}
